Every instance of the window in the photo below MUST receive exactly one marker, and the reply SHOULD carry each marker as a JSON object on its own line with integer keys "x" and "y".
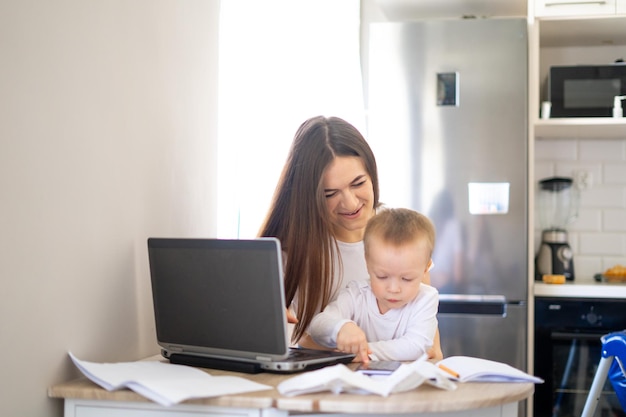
{"x": 281, "y": 62}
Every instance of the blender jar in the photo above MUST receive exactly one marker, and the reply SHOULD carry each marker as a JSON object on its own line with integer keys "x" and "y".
{"x": 558, "y": 203}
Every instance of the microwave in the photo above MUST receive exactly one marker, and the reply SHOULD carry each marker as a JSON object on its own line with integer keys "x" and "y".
{"x": 586, "y": 90}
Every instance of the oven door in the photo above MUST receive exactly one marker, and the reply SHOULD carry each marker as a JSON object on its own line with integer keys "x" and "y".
{"x": 569, "y": 361}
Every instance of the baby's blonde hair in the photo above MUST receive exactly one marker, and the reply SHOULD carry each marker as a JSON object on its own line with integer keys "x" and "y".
{"x": 399, "y": 226}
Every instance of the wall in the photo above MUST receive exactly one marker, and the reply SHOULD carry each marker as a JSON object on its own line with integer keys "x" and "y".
{"x": 107, "y": 135}
{"x": 598, "y": 236}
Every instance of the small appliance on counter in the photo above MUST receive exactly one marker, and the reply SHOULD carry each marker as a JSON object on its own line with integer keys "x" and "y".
{"x": 617, "y": 106}
{"x": 558, "y": 207}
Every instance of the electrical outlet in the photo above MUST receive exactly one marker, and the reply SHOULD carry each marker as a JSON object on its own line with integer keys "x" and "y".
{"x": 583, "y": 179}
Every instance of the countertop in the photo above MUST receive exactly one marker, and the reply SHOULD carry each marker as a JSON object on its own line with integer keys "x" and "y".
{"x": 581, "y": 289}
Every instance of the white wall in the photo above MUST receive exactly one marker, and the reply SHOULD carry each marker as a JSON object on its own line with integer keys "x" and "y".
{"x": 598, "y": 235}
{"x": 107, "y": 136}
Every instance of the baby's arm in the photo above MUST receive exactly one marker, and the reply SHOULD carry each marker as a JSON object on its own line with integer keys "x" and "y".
{"x": 325, "y": 325}
{"x": 334, "y": 327}
{"x": 352, "y": 339}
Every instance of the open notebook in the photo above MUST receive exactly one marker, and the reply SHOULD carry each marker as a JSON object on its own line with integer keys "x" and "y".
{"x": 220, "y": 303}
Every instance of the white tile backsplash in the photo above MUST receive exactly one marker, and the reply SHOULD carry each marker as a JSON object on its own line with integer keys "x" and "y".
{"x": 614, "y": 173}
{"x": 588, "y": 220}
{"x": 601, "y": 150}
{"x": 603, "y": 196}
{"x": 598, "y": 235}
{"x": 556, "y": 150}
{"x": 544, "y": 169}
{"x": 585, "y": 267}
{"x": 600, "y": 244}
{"x": 614, "y": 220}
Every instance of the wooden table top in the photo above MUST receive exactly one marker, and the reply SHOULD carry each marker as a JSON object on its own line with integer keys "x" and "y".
{"x": 425, "y": 398}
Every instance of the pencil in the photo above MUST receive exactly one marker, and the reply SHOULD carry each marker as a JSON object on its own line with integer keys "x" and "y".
{"x": 448, "y": 370}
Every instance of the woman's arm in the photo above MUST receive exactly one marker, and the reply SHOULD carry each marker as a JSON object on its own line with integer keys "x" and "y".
{"x": 434, "y": 352}
{"x": 307, "y": 341}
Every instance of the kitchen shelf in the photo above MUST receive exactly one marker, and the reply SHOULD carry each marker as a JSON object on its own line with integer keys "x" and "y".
{"x": 582, "y": 31}
{"x": 568, "y": 40}
{"x": 581, "y": 128}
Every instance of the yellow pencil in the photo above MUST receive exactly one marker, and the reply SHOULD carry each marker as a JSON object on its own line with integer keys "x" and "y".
{"x": 448, "y": 370}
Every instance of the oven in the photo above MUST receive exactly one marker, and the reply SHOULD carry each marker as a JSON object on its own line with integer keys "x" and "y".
{"x": 567, "y": 352}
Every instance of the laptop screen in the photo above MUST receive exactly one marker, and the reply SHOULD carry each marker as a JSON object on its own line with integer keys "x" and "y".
{"x": 218, "y": 296}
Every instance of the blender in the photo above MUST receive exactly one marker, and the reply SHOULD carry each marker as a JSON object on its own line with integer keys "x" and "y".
{"x": 558, "y": 207}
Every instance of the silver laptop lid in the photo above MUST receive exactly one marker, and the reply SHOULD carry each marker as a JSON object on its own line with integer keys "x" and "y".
{"x": 219, "y": 297}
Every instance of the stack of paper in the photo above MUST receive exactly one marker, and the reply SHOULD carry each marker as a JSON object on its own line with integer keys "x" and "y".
{"x": 164, "y": 383}
{"x": 469, "y": 369}
{"x": 340, "y": 378}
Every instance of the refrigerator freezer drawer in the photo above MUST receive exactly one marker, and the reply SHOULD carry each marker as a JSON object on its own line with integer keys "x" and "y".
{"x": 472, "y": 304}
{"x": 490, "y": 309}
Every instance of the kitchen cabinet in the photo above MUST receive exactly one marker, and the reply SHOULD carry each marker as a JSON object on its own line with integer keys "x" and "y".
{"x": 573, "y": 33}
{"x": 574, "y": 7}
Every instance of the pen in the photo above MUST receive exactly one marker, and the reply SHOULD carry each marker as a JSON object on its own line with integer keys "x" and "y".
{"x": 448, "y": 370}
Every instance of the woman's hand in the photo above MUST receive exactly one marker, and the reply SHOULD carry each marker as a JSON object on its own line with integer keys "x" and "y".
{"x": 352, "y": 339}
{"x": 291, "y": 317}
{"x": 435, "y": 351}
{"x": 307, "y": 341}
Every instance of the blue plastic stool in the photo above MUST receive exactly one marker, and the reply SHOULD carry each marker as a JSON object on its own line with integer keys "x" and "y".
{"x": 612, "y": 365}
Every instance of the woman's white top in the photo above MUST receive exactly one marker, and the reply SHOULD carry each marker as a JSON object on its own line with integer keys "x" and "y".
{"x": 351, "y": 268}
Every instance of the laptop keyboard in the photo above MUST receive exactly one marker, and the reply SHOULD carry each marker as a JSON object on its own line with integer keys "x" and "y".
{"x": 300, "y": 353}
{"x": 296, "y": 353}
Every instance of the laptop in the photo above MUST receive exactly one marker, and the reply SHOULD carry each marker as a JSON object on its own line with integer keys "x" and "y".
{"x": 220, "y": 303}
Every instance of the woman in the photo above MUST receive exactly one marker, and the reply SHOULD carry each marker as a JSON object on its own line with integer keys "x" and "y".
{"x": 327, "y": 192}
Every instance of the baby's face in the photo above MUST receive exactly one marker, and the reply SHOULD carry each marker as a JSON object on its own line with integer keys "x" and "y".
{"x": 396, "y": 272}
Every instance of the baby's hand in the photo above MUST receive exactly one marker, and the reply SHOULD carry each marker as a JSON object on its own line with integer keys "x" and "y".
{"x": 351, "y": 339}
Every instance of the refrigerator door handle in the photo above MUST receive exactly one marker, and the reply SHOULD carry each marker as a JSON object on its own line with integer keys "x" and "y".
{"x": 490, "y": 305}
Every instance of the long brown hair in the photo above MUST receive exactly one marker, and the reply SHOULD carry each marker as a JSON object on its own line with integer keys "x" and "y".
{"x": 299, "y": 217}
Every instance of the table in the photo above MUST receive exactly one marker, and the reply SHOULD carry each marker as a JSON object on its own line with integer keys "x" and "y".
{"x": 83, "y": 398}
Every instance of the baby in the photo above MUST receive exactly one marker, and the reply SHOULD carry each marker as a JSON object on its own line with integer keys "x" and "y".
{"x": 393, "y": 316}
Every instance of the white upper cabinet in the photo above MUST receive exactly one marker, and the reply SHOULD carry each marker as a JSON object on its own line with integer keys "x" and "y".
{"x": 576, "y": 7}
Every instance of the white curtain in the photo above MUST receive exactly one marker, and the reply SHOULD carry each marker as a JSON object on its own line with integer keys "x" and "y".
{"x": 280, "y": 62}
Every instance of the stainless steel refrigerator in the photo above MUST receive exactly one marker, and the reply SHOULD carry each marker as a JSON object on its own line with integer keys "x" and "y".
{"x": 448, "y": 123}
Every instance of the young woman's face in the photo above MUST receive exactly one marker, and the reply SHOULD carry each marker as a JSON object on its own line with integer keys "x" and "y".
{"x": 349, "y": 197}
{"x": 396, "y": 272}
